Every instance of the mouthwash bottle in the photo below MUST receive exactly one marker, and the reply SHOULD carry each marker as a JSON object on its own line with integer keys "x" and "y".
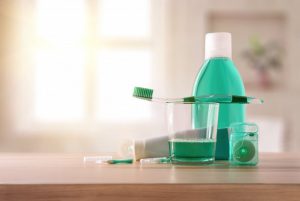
{"x": 218, "y": 75}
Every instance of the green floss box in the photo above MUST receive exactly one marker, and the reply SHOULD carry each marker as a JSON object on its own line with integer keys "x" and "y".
{"x": 243, "y": 145}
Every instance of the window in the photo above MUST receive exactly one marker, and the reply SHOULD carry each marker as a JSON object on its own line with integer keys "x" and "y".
{"x": 88, "y": 57}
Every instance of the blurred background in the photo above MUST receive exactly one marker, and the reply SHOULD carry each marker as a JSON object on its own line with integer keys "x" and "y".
{"x": 68, "y": 68}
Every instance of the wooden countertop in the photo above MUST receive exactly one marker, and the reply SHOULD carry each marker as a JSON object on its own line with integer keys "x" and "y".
{"x": 54, "y": 176}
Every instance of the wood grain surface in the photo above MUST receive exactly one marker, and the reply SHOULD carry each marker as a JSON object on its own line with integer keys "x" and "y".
{"x": 66, "y": 177}
{"x": 155, "y": 192}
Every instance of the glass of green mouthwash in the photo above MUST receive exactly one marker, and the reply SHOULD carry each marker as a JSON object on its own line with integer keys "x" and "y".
{"x": 191, "y": 142}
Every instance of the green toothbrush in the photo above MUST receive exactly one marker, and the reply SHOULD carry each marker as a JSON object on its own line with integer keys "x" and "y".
{"x": 146, "y": 94}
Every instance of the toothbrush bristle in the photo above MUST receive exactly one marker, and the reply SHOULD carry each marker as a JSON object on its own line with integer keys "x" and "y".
{"x": 141, "y": 92}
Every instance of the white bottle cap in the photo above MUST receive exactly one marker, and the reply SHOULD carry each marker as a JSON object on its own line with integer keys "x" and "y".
{"x": 217, "y": 45}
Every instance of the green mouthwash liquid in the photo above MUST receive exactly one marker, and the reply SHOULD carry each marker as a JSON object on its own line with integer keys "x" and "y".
{"x": 192, "y": 151}
{"x": 218, "y": 75}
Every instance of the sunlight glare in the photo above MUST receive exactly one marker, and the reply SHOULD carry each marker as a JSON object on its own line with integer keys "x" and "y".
{"x": 59, "y": 85}
{"x": 122, "y": 19}
{"x": 60, "y": 21}
{"x": 119, "y": 70}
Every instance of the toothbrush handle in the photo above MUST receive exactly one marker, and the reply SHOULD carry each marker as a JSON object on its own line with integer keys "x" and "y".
{"x": 120, "y": 161}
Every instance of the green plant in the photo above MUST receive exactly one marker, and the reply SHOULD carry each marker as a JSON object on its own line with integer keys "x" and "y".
{"x": 263, "y": 57}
